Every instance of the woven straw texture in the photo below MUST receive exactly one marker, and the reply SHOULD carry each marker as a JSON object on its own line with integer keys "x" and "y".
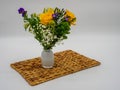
{"x": 66, "y": 62}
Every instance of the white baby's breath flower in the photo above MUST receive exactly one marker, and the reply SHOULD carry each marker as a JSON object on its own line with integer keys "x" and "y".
{"x": 55, "y": 37}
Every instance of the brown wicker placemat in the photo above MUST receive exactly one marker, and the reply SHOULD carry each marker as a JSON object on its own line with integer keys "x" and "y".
{"x": 66, "y": 62}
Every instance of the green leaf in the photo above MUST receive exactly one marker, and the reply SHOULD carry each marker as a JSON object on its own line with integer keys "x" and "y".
{"x": 26, "y": 25}
{"x": 64, "y": 37}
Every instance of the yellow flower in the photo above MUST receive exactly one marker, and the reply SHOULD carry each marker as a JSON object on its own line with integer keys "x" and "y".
{"x": 46, "y": 17}
{"x": 71, "y": 17}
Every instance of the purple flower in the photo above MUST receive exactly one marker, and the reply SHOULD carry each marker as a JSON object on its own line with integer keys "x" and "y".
{"x": 66, "y": 19}
{"x": 55, "y": 15}
{"x": 22, "y": 11}
{"x": 23, "y": 14}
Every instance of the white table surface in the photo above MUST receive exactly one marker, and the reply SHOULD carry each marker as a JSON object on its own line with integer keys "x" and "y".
{"x": 102, "y": 47}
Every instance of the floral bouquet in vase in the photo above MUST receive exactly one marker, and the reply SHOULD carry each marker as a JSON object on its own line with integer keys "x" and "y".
{"x": 49, "y": 27}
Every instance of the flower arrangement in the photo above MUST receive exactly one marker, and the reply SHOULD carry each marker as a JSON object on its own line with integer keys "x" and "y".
{"x": 50, "y": 26}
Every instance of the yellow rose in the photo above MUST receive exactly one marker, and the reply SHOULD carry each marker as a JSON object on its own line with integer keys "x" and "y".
{"x": 46, "y": 17}
{"x": 70, "y": 16}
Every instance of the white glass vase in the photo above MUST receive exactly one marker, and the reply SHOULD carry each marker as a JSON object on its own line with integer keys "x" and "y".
{"x": 47, "y": 57}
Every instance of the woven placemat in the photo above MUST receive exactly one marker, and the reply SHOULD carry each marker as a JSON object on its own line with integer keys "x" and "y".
{"x": 66, "y": 62}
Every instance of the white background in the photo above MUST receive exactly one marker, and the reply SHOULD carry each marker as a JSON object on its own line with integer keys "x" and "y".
{"x": 96, "y": 35}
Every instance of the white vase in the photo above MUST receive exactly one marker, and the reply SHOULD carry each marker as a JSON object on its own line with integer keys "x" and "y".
{"x": 47, "y": 57}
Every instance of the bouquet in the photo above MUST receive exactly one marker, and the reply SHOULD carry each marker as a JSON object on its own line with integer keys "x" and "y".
{"x": 50, "y": 26}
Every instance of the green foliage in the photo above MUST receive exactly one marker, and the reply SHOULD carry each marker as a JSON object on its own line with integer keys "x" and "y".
{"x": 62, "y": 29}
{"x": 48, "y": 35}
